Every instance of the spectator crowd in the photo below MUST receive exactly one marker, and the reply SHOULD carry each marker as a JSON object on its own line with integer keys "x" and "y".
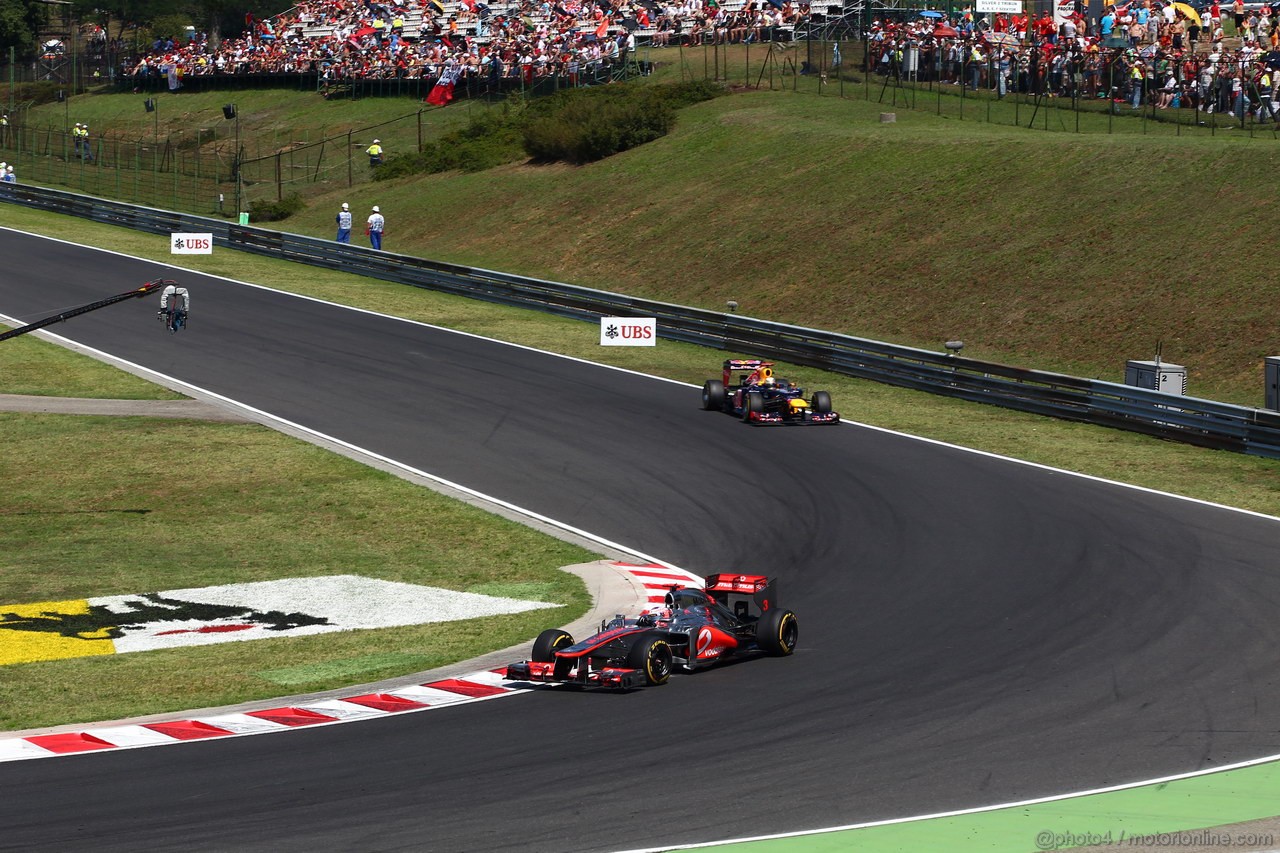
{"x": 363, "y": 39}
{"x": 1143, "y": 53}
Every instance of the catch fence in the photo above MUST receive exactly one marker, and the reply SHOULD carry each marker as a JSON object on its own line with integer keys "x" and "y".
{"x": 1088, "y": 92}
{"x": 212, "y": 169}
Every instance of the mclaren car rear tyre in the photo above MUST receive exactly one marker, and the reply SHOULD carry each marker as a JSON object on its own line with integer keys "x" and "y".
{"x": 752, "y": 403}
{"x": 652, "y": 656}
{"x": 821, "y": 402}
{"x": 713, "y": 394}
{"x": 548, "y": 643}
{"x": 777, "y": 632}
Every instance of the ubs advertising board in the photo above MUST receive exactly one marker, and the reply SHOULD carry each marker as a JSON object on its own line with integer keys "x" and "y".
{"x": 628, "y": 331}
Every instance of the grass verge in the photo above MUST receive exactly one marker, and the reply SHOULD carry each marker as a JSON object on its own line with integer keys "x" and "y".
{"x": 98, "y": 506}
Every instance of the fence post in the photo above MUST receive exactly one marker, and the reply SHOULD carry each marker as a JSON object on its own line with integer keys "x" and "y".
{"x": 279, "y": 183}
{"x": 350, "y": 182}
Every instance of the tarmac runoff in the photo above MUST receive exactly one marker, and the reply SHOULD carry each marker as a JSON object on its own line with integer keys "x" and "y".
{"x": 190, "y": 409}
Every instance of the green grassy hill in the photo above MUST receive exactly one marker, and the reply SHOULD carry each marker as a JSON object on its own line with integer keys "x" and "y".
{"x": 1046, "y": 249}
{"x": 1063, "y": 251}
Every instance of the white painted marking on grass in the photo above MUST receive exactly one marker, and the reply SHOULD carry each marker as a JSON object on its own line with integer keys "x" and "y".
{"x": 260, "y": 610}
{"x": 321, "y": 605}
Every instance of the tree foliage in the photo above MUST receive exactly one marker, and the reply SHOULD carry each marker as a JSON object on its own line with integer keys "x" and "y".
{"x": 20, "y": 22}
{"x": 216, "y": 17}
{"x": 114, "y": 15}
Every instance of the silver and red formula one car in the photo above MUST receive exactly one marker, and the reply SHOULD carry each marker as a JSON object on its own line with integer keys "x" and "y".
{"x": 760, "y": 397}
{"x": 732, "y": 616}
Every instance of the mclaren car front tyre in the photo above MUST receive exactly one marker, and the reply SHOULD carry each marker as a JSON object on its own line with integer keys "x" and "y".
{"x": 652, "y": 657}
{"x": 777, "y": 632}
{"x": 548, "y": 643}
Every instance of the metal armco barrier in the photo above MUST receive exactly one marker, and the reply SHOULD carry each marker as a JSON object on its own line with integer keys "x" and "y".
{"x": 1186, "y": 419}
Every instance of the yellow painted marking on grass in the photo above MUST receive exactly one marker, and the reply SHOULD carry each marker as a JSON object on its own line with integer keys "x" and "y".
{"x": 23, "y": 646}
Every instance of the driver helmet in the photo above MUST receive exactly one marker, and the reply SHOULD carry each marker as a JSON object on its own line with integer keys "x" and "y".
{"x": 769, "y": 382}
{"x": 655, "y": 615}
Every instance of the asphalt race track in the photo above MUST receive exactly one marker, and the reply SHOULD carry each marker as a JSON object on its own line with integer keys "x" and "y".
{"x": 973, "y": 630}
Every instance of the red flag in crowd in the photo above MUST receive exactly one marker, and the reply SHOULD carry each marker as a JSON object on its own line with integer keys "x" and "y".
{"x": 442, "y": 91}
{"x": 603, "y": 29}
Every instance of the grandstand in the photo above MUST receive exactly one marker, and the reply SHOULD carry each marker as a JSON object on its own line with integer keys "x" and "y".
{"x": 518, "y": 38}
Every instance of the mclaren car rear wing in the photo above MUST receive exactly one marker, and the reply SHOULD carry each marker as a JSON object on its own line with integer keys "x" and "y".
{"x": 746, "y": 596}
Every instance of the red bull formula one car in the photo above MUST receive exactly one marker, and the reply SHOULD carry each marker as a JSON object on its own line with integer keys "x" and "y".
{"x": 760, "y": 397}
{"x": 733, "y": 616}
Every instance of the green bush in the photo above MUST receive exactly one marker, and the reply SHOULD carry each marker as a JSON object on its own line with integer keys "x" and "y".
{"x": 40, "y": 92}
{"x": 575, "y": 125}
{"x": 274, "y": 211}
{"x": 488, "y": 141}
{"x": 582, "y": 125}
